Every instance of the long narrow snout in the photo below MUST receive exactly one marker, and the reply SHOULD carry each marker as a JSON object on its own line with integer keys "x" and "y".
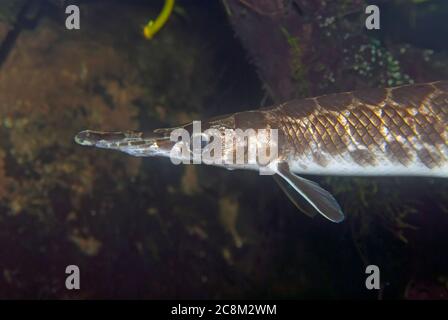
{"x": 92, "y": 138}
{"x": 132, "y": 142}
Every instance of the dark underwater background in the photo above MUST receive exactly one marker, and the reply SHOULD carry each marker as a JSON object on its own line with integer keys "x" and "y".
{"x": 146, "y": 229}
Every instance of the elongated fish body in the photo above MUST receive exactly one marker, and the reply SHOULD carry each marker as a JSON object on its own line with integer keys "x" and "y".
{"x": 393, "y": 131}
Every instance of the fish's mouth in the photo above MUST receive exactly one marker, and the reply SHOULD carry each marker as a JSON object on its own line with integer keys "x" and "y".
{"x": 132, "y": 142}
{"x": 93, "y": 138}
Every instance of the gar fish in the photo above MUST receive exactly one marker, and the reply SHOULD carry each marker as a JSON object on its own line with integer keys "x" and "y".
{"x": 376, "y": 132}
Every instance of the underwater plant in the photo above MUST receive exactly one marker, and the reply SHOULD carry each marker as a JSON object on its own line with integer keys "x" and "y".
{"x": 153, "y": 26}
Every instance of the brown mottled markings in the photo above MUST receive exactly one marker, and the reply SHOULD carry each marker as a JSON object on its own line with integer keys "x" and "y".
{"x": 406, "y": 123}
{"x": 323, "y": 133}
{"x": 333, "y": 142}
{"x": 428, "y": 158}
{"x": 292, "y": 129}
{"x": 339, "y": 128}
{"x": 397, "y": 149}
{"x": 357, "y": 113}
{"x": 250, "y": 120}
{"x": 371, "y": 116}
{"x": 320, "y": 159}
{"x": 328, "y": 143}
{"x": 396, "y": 153}
{"x": 336, "y": 102}
{"x": 405, "y": 128}
{"x": 363, "y": 157}
{"x": 370, "y": 96}
{"x": 356, "y": 129}
{"x": 411, "y": 95}
{"x": 428, "y": 134}
{"x": 372, "y": 127}
{"x": 439, "y": 106}
{"x": 441, "y": 85}
{"x": 317, "y": 125}
{"x": 312, "y": 134}
{"x": 299, "y": 108}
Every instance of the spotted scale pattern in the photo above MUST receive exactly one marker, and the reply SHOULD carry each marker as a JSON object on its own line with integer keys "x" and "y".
{"x": 401, "y": 127}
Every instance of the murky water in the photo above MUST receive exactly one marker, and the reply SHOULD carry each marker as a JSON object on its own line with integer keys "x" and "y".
{"x": 144, "y": 228}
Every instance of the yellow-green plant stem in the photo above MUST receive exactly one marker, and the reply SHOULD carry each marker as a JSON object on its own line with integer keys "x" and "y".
{"x": 154, "y": 26}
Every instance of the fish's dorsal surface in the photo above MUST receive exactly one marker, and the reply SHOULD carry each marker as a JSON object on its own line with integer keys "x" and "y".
{"x": 393, "y": 131}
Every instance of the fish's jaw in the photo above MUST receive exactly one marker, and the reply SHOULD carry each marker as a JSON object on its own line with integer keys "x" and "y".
{"x": 106, "y": 139}
{"x": 134, "y": 143}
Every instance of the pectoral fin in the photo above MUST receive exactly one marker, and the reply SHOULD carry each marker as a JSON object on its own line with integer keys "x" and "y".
{"x": 319, "y": 200}
{"x": 300, "y": 202}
